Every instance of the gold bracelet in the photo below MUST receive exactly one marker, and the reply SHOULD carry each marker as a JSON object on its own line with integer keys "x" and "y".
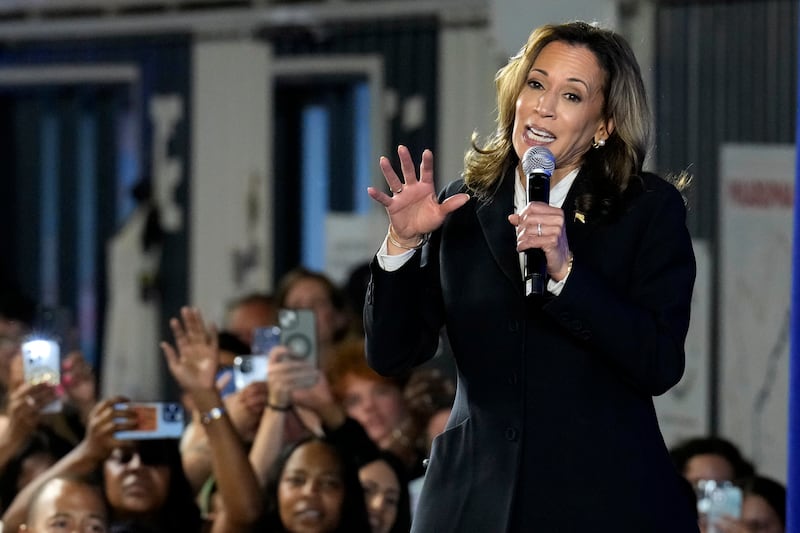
{"x": 422, "y": 240}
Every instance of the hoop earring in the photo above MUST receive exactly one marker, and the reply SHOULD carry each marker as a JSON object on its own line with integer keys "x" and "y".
{"x": 598, "y": 144}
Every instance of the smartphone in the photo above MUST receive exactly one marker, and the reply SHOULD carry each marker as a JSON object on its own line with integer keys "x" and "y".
{"x": 299, "y": 333}
{"x": 717, "y": 500}
{"x": 41, "y": 362}
{"x": 249, "y": 368}
{"x": 157, "y": 420}
{"x": 265, "y": 339}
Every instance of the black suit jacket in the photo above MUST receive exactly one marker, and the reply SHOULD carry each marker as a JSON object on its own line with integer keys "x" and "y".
{"x": 553, "y": 427}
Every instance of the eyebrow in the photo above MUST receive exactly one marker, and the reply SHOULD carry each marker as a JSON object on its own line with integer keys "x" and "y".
{"x": 574, "y": 80}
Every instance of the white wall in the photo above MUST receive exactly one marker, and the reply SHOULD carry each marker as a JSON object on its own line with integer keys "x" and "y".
{"x": 231, "y": 223}
{"x": 513, "y": 20}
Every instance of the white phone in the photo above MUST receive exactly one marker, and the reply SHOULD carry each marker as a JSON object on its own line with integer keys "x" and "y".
{"x": 41, "y": 363}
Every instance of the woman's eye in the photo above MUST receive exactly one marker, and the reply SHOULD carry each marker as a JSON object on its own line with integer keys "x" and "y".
{"x": 533, "y": 84}
{"x": 331, "y": 483}
{"x": 295, "y": 481}
{"x": 58, "y": 524}
{"x": 572, "y": 97}
{"x": 97, "y": 528}
{"x": 351, "y": 401}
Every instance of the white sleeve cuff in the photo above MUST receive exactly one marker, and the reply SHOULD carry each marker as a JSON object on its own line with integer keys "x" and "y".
{"x": 390, "y": 263}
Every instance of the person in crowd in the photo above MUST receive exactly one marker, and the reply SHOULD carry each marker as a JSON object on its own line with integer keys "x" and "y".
{"x": 385, "y": 487}
{"x": 301, "y": 288}
{"x": 763, "y": 508}
{"x": 143, "y": 480}
{"x": 41, "y": 449}
{"x": 194, "y": 363}
{"x": 553, "y": 425}
{"x": 429, "y": 395}
{"x": 763, "y": 505}
{"x": 710, "y": 458}
{"x": 377, "y": 403}
{"x": 314, "y": 487}
{"x": 67, "y": 504}
{"x": 17, "y": 313}
{"x": 249, "y": 312}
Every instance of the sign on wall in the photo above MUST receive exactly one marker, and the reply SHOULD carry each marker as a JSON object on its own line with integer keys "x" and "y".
{"x": 756, "y": 209}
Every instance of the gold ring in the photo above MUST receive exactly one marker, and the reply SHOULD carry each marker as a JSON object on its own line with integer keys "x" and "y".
{"x": 539, "y": 229}
{"x": 398, "y": 191}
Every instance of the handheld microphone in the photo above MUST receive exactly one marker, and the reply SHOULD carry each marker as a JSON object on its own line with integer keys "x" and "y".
{"x": 537, "y": 164}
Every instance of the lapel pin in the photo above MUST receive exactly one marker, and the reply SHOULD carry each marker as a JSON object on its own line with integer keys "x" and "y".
{"x": 580, "y": 217}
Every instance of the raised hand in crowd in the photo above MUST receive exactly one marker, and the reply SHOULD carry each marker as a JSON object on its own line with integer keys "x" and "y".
{"x": 79, "y": 383}
{"x": 193, "y": 363}
{"x": 23, "y": 413}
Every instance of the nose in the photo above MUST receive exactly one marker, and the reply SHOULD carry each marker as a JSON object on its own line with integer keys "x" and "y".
{"x": 310, "y": 487}
{"x": 376, "y": 502}
{"x": 135, "y": 461}
{"x": 546, "y": 104}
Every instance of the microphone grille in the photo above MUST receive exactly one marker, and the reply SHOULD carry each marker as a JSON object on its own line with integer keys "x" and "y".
{"x": 538, "y": 158}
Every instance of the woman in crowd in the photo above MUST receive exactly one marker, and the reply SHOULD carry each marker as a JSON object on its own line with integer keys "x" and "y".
{"x": 377, "y": 403}
{"x": 313, "y": 487}
{"x": 385, "y": 485}
{"x": 304, "y": 289}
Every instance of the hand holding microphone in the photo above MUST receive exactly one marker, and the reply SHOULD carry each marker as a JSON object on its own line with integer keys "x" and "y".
{"x": 537, "y": 164}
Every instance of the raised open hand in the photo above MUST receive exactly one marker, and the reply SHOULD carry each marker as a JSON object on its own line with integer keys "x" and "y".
{"x": 413, "y": 208}
{"x": 194, "y": 364}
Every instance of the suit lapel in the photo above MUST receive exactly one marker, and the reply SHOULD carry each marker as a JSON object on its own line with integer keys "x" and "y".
{"x": 498, "y": 232}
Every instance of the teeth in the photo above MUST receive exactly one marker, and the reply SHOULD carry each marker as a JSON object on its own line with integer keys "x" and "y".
{"x": 539, "y": 135}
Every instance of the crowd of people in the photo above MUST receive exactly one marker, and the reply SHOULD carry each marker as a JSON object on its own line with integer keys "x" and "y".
{"x": 332, "y": 446}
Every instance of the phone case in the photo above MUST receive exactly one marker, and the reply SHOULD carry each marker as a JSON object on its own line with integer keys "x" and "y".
{"x": 249, "y": 368}
{"x": 41, "y": 362}
{"x": 157, "y": 420}
{"x": 265, "y": 339}
{"x": 299, "y": 333}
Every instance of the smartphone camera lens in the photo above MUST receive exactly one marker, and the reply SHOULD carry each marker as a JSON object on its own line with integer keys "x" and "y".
{"x": 247, "y": 365}
{"x": 288, "y": 318}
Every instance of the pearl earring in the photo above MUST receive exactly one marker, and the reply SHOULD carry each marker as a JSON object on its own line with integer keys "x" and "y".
{"x": 599, "y": 144}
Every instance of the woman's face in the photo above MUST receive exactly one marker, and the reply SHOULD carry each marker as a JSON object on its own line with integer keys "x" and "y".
{"x": 309, "y": 293}
{"x": 759, "y": 516}
{"x": 560, "y": 106}
{"x": 133, "y": 486}
{"x": 311, "y": 490}
{"x": 65, "y": 505}
{"x": 382, "y": 494}
{"x": 376, "y": 405}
